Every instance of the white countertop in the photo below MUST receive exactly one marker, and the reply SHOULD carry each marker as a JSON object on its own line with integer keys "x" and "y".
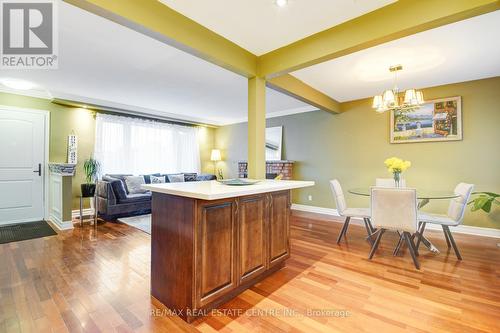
{"x": 212, "y": 190}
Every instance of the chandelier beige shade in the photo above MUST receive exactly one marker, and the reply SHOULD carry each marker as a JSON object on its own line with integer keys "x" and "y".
{"x": 391, "y": 99}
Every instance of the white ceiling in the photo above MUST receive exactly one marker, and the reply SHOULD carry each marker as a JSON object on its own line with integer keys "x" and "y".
{"x": 260, "y": 26}
{"x": 101, "y": 62}
{"x": 458, "y": 52}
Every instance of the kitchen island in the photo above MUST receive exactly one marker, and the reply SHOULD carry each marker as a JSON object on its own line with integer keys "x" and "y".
{"x": 210, "y": 242}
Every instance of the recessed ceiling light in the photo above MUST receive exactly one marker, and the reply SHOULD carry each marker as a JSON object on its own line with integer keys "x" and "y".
{"x": 18, "y": 84}
{"x": 281, "y": 3}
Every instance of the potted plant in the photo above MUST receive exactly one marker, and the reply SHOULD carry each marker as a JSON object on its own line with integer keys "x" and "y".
{"x": 484, "y": 201}
{"x": 91, "y": 168}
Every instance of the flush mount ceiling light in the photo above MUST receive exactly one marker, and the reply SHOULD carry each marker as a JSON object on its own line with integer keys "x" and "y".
{"x": 17, "y": 84}
{"x": 281, "y": 3}
{"x": 392, "y": 100}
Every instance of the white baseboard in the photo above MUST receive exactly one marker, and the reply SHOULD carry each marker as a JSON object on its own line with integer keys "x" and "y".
{"x": 61, "y": 225}
{"x": 86, "y": 212}
{"x": 461, "y": 229}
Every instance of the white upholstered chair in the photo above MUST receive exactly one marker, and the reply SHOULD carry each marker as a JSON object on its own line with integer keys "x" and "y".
{"x": 348, "y": 213}
{"x": 454, "y": 216}
{"x": 395, "y": 209}
{"x": 388, "y": 182}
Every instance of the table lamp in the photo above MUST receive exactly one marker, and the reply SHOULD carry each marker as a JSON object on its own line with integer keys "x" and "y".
{"x": 215, "y": 157}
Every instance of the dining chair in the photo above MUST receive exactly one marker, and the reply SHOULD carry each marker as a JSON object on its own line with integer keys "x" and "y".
{"x": 453, "y": 218}
{"x": 388, "y": 182}
{"x": 349, "y": 213}
{"x": 395, "y": 209}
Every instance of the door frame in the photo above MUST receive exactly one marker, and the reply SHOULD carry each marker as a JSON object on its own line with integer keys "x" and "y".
{"x": 46, "y": 146}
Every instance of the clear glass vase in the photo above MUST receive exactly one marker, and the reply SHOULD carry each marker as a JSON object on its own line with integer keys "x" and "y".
{"x": 397, "y": 179}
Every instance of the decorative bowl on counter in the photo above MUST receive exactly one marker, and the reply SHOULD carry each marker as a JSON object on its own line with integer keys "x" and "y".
{"x": 237, "y": 182}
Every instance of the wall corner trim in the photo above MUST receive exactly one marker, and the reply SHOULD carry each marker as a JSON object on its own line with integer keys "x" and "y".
{"x": 461, "y": 229}
{"x": 60, "y": 225}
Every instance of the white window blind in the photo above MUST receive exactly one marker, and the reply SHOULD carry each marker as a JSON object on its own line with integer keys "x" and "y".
{"x": 138, "y": 146}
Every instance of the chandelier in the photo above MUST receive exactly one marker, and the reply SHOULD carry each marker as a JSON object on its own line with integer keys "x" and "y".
{"x": 393, "y": 100}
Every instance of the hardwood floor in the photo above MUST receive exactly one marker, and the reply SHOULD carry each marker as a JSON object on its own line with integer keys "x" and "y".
{"x": 89, "y": 281}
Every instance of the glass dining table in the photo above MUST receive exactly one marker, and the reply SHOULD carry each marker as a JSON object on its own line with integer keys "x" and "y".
{"x": 424, "y": 196}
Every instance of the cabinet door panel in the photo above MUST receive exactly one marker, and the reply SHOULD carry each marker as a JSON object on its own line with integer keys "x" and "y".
{"x": 215, "y": 249}
{"x": 279, "y": 247}
{"x": 252, "y": 236}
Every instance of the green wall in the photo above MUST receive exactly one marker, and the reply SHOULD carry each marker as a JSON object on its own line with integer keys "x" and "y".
{"x": 353, "y": 145}
{"x": 64, "y": 120}
{"x": 206, "y": 140}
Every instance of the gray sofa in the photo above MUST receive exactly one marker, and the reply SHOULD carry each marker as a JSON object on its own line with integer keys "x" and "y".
{"x": 114, "y": 201}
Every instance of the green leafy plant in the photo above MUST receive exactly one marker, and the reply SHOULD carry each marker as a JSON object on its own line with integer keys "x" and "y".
{"x": 484, "y": 201}
{"x": 91, "y": 168}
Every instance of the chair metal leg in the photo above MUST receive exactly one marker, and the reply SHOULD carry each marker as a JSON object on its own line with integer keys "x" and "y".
{"x": 452, "y": 241}
{"x": 420, "y": 234}
{"x": 372, "y": 228}
{"x": 81, "y": 211}
{"x": 343, "y": 231}
{"x": 416, "y": 233}
{"x": 429, "y": 245}
{"x": 398, "y": 246}
{"x": 411, "y": 248}
{"x": 377, "y": 242}
{"x": 412, "y": 243}
{"x": 368, "y": 230}
{"x": 446, "y": 236}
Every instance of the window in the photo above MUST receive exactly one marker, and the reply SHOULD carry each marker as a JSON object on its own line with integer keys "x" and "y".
{"x": 138, "y": 146}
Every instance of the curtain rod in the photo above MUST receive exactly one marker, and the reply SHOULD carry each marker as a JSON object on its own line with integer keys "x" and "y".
{"x": 130, "y": 113}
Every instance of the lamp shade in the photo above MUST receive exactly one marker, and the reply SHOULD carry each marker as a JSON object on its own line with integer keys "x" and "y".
{"x": 420, "y": 97}
{"x": 389, "y": 98}
{"x": 215, "y": 155}
{"x": 410, "y": 97}
{"x": 377, "y": 101}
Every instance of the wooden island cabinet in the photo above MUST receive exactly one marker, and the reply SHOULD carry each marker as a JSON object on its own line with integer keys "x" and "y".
{"x": 206, "y": 251}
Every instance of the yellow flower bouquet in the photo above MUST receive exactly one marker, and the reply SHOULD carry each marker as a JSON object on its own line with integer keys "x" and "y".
{"x": 396, "y": 166}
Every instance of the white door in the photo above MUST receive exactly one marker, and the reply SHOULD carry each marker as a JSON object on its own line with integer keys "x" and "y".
{"x": 22, "y": 163}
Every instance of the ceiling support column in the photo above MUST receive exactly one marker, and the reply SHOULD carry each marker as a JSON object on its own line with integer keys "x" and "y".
{"x": 257, "y": 128}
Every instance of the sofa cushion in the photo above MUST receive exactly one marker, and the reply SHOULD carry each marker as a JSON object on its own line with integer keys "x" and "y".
{"x": 176, "y": 178}
{"x": 120, "y": 177}
{"x": 134, "y": 184}
{"x": 147, "y": 178}
{"x": 190, "y": 176}
{"x": 118, "y": 188}
{"x": 139, "y": 197}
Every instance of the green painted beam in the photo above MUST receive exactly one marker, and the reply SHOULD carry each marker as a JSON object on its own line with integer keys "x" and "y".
{"x": 257, "y": 128}
{"x": 294, "y": 87}
{"x": 400, "y": 19}
{"x": 156, "y": 20}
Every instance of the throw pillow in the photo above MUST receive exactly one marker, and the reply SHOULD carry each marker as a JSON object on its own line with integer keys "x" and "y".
{"x": 147, "y": 178}
{"x": 120, "y": 177}
{"x": 134, "y": 184}
{"x": 179, "y": 178}
{"x": 118, "y": 188}
{"x": 157, "y": 180}
{"x": 190, "y": 177}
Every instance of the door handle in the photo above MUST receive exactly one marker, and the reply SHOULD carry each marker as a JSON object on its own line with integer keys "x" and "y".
{"x": 39, "y": 171}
